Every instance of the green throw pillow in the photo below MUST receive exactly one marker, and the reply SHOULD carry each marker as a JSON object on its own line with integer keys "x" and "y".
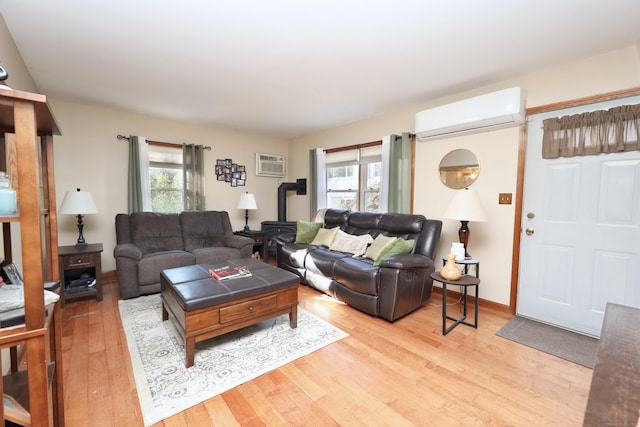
{"x": 398, "y": 247}
{"x": 325, "y": 236}
{"x": 306, "y": 231}
{"x": 379, "y": 243}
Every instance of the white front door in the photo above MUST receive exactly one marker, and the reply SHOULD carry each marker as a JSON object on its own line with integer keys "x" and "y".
{"x": 580, "y": 242}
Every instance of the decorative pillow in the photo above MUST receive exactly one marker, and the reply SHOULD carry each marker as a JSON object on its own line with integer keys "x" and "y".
{"x": 325, "y": 236}
{"x": 378, "y": 245}
{"x": 398, "y": 247}
{"x": 356, "y": 245}
{"x": 306, "y": 231}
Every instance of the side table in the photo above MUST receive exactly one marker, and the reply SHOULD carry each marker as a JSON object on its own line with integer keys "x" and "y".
{"x": 75, "y": 264}
{"x": 259, "y": 239}
{"x": 465, "y": 281}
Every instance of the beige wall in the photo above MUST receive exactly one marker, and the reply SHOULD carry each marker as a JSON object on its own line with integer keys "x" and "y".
{"x": 88, "y": 155}
{"x": 492, "y": 241}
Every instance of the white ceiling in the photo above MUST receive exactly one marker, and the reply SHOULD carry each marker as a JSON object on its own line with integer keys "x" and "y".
{"x": 290, "y": 67}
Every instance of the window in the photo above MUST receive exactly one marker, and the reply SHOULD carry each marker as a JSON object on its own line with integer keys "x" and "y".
{"x": 353, "y": 178}
{"x": 166, "y": 179}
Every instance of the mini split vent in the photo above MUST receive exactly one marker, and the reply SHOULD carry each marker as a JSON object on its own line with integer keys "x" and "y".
{"x": 270, "y": 165}
{"x": 485, "y": 112}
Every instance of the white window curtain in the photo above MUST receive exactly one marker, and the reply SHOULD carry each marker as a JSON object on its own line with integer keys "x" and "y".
{"x": 318, "y": 167}
{"x": 139, "y": 191}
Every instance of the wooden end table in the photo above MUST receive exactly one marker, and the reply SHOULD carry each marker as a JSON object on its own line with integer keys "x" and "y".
{"x": 76, "y": 261}
{"x": 259, "y": 239}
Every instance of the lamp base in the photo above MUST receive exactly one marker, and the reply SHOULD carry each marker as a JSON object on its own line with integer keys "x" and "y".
{"x": 81, "y": 243}
{"x": 246, "y": 220}
{"x": 463, "y": 234}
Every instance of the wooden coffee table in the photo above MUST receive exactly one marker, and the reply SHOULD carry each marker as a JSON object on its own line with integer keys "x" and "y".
{"x": 202, "y": 307}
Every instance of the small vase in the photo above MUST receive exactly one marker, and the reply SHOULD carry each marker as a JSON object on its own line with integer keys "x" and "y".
{"x": 450, "y": 271}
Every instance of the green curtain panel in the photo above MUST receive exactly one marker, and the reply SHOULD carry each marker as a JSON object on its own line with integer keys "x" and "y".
{"x": 193, "y": 173}
{"x": 139, "y": 197}
{"x": 400, "y": 155}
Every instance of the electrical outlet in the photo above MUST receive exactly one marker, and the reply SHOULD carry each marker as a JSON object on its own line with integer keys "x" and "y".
{"x": 504, "y": 198}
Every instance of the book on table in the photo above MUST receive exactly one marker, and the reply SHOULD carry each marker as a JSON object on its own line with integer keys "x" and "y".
{"x": 229, "y": 272}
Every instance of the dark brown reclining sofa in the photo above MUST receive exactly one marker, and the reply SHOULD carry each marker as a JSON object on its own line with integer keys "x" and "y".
{"x": 148, "y": 242}
{"x": 392, "y": 289}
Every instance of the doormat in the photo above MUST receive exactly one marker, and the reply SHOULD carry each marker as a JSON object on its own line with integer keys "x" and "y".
{"x": 568, "y": 345}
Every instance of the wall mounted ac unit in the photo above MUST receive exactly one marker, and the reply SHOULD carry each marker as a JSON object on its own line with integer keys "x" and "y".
{"x": 270, "y": 165}
{"x": 481, "y": 113}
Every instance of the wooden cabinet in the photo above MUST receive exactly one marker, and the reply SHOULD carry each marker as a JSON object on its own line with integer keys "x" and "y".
{"x": 259, "y": 239}
{"x": 77, "y": 263}
{"x": 26, "y": 148}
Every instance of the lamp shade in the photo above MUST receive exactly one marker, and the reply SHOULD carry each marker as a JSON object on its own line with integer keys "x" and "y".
{"x": 247, "y": 201}
{"x": 78, "y": 203}
{"x": 466, "y": 206}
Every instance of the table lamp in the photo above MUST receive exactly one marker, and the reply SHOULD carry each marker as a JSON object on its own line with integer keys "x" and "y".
{"x": 78, "y": 203}
{"x": 465, "y": 206}
{"x": 247, "y": 202}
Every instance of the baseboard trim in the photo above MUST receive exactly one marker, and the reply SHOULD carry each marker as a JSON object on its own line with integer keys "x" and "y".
{"x": 471, "y": 299}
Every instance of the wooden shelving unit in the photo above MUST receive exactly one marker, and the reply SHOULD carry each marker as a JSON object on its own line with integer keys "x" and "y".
{"x": 26, "y": 148}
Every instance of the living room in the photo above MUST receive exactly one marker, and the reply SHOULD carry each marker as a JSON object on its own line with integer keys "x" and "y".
{"x": 88, "y": 155}
{"x": 90, "y": 132}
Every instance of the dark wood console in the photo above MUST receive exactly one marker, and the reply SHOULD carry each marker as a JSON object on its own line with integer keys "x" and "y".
{"x": 614, "y": 396}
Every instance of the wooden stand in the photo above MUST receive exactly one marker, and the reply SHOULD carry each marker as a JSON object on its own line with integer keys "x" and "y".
{"x": 259, "y": 239}
{"x": 73, "y": 262}
{"x": 26, "y": 148}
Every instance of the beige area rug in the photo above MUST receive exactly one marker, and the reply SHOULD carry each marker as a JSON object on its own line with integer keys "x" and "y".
{"x": 165, "y": 387}
{"x": 568, "y": 345}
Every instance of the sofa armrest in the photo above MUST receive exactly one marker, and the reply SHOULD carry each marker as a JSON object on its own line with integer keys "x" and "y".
{"x": 127, "y": 250}
{"x": 237, "y": 242}
{"x": 407, "y": 262}
{"x": 127, "y": 257}
{"x": 285, "y": 238}
{"x": 405, "y": 284}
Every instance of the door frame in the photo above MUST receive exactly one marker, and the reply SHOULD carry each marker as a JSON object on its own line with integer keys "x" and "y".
{"x": 522, "y": 147}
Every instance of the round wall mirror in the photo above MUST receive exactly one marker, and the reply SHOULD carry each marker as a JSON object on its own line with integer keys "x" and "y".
{"x": 459, "y": 168}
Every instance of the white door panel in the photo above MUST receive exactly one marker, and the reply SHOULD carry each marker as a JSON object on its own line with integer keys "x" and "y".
{"x": 580, "y": 246}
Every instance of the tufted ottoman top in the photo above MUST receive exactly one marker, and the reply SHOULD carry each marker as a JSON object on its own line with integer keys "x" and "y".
{"x": 194, "y": 287}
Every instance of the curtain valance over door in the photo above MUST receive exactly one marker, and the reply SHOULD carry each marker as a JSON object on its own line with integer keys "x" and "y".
{"x": 606, "y": 131}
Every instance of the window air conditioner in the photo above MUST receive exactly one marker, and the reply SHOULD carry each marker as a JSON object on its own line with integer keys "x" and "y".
{"x": 270, "y": 165}
{"x": 485, "y": 112}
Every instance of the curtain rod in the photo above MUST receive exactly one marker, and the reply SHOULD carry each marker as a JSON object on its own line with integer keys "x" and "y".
{"x": 171, "y": 144}
{"x": 357, "y": 146}
{"x": 353, "y": 147}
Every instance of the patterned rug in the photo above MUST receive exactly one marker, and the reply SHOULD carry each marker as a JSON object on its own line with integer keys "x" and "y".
{"x": 165, "y": 387}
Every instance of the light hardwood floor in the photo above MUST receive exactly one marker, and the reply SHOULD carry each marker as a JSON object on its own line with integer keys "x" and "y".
{"x": 384, "y": 374}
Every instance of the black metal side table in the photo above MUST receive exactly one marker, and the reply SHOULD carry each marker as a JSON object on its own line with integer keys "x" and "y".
{"x": 465, "y": 282}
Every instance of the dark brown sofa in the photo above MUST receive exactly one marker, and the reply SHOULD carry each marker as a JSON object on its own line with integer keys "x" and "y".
{"x": 396, "y": 287}
{"x": 148, "y": 242}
